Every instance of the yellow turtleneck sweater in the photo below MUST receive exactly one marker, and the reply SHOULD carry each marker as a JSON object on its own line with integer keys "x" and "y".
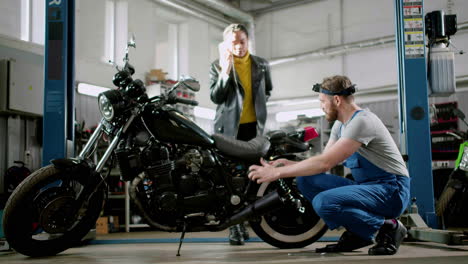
{"x": 243, "y": 66}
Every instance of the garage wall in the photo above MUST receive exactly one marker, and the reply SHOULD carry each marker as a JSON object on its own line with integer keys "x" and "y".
{"x": 152, "y": 25}
{"x": 315, "y": 25}
{"x": 19, "y": 133}
{"x": 328, "y": 23}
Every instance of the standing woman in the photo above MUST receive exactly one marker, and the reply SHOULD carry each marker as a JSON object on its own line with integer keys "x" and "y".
{"x": 240, "y": 85}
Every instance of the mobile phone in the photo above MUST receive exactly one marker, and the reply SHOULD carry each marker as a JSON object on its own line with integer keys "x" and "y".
{"x": 224, "y": 46}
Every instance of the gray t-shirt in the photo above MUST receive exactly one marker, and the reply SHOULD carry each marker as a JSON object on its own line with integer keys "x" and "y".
{"x": 377, "y": 147}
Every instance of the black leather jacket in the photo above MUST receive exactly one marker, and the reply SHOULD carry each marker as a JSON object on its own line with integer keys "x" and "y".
{"x": 228, "y": 94}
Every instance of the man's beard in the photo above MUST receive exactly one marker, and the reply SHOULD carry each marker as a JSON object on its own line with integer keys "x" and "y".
{"x": 332, "y": 114}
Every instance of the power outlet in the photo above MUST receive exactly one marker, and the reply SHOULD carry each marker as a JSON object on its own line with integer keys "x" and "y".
{"x": 27, "y": 158}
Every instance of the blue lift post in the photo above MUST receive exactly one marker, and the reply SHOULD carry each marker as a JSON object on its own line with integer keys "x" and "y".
{"x": 58, "y": 130}
{"x": 413, "y": 100}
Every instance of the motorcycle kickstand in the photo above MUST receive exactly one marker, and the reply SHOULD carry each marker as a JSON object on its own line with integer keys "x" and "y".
{"x": 181, "y": 239}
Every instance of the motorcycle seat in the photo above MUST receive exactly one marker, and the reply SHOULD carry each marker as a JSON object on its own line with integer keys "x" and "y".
{"x": 251, "y": 150}
{"x": 276, "y": 134}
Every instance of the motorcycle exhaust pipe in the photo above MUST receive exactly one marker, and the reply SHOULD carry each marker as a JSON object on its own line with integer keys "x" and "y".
{"x": 136, "y": 200}
{"x": 267, "y": 203}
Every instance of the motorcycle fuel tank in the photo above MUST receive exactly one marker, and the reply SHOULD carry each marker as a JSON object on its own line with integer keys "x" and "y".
{"x": 171, "y": 126}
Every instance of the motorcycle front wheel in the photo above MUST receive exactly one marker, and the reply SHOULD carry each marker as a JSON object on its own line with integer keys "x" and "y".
{"x": 42, "y": 216}
{"x": 287, "y": 227}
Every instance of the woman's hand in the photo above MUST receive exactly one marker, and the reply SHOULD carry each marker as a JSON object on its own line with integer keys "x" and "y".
{"x": 225, "y": 58}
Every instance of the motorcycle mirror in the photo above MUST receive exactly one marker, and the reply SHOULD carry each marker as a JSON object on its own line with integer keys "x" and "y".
{"x": 131, "y": 42}
{"x": 190, "y": 83}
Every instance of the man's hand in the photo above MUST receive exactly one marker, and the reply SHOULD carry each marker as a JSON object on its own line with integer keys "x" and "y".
{"x": 264, "y": 173}
{"x": 225, "y": 57}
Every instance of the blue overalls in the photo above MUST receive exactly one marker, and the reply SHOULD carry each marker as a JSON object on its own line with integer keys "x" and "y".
{"x": 362, "y": 205}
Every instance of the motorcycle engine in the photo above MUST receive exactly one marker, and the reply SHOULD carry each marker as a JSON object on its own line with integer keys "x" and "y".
{"x": 178, "y": 181}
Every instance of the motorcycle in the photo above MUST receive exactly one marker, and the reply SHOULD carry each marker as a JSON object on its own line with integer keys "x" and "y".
{"x": 181, "y": 178}
{"x": 458, "y": 179}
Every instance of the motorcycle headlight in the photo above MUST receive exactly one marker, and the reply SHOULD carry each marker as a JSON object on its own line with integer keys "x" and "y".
{"x": 110, "y": 103}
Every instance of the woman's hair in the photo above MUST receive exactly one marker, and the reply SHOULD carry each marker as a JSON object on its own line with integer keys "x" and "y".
{"x": 233, "y": 28}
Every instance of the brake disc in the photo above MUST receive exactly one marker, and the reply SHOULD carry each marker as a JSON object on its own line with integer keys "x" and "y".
{"x": 58, "y": 215}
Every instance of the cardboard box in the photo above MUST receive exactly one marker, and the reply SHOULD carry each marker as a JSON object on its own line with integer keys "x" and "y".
{"x": 102, "y": 225}
{"x": 114, "y": 224}
{"x": 157, "y": 75}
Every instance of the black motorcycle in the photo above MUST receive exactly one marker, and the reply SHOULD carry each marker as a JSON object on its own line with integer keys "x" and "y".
{"x": 181, "y": 178}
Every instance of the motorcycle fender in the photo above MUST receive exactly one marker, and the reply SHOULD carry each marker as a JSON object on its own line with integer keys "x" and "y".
{"x": 67, "y": 163}
{"x": 79, "y": 169}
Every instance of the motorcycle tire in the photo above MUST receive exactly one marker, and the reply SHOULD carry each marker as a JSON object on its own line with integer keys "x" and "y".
{"x": 286, "y": 227}
{"x": 37, "y": 220}
{"x": 444, "y": 200}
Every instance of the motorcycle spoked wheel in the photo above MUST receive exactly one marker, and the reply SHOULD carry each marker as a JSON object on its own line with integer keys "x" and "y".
{"x": 41, "y": 217}
{"x": 287, "y": 227}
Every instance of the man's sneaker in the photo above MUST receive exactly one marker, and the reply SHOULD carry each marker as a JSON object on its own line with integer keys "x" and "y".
{"x": 244, "y": 232}
{"x": 348, "y": 242}
{"x": 235, "y": 236}
{"x": 388, "y": 241}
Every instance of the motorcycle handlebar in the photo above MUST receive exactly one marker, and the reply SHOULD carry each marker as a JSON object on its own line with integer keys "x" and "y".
{"x": 186, "y": 101}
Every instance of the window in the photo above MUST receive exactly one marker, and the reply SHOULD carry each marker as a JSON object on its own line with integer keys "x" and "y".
{"x": 37, "y": 19}
{"x": 116, "y": 36}
{"x": 10, "y": 19}
{"x": 33, "y": 21}
{"x": 24, "y": 19}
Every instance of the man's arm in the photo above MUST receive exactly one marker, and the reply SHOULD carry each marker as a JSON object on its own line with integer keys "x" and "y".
{"x": 329, "y": 144}
{"x": 336, "y": 153}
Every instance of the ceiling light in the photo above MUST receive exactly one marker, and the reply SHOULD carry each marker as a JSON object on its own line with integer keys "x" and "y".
{"x": 91, "y": 90}
{"x": 292, "y": 115}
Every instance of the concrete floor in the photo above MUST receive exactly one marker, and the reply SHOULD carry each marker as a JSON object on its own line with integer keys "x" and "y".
{"x": 206, "y": 251}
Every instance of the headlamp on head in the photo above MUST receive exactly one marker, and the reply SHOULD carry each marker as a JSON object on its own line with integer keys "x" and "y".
{"x": 348, "y": 91}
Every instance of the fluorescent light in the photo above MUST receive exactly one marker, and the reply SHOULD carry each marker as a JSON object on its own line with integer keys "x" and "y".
{"x": 299, "y": 102}
{"x": 291, "y": 102}
{"x": 91, "y": 90}
{"x": 292, "y": 115}
{"x": 204, "y": 112}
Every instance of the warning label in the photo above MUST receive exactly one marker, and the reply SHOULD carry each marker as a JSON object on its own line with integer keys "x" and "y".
{"x": 412, "y": 10}
{"x": 413, "y": 24}
{"x": 413, "y": 28}
{"x": 414, "y": 36}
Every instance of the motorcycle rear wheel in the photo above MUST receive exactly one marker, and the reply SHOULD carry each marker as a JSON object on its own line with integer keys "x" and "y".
{"x": 286, "y": 227}
{"x": 41, "y": 217}
{"x": 444, "y": 200}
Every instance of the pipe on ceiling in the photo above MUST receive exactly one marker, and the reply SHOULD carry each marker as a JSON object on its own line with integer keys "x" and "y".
{"x": 228, "y": 10}
{"x": 280, "y": 5}
{"x": 236, "y": 13}
{"x": 227, "y": 14}
{"x": 341, "y": 49}
{"x": 207, "y": 16}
